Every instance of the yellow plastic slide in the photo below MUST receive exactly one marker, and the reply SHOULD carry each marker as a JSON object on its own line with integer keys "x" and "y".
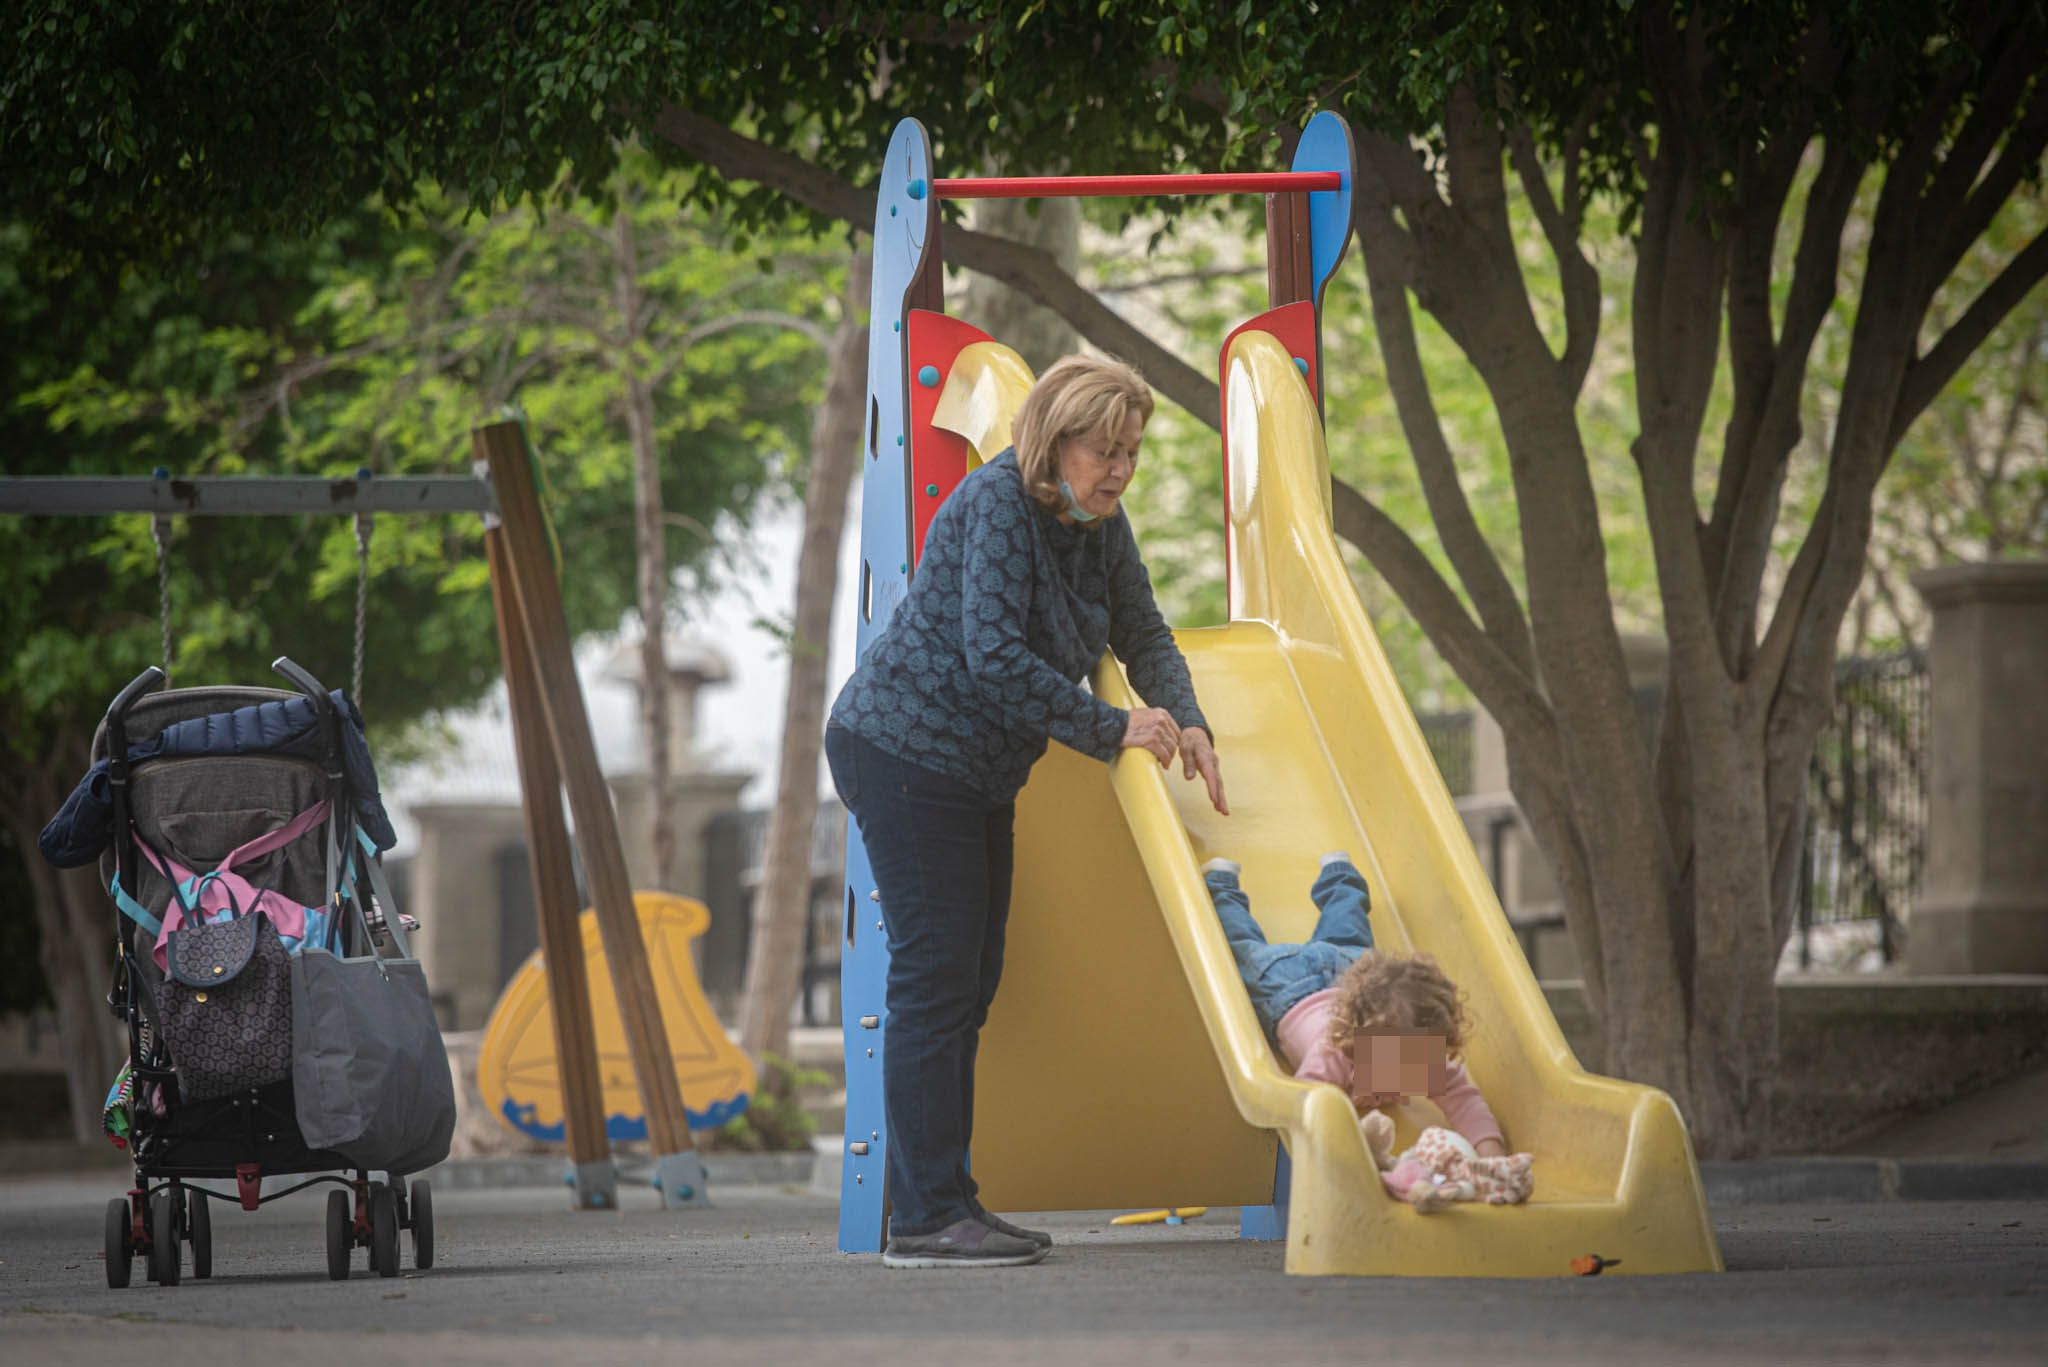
{"x": 1122, "y": 1066}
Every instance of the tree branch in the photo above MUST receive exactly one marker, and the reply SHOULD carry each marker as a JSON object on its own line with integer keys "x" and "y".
{"x": 1764, "y": 428}
{"x": 1027, "y": 269}
{"x": 1473, "y": 558}
{"x": 1561, "y": 222}
{"x": 1926, "y": 376}
{"x": 2015, "y": 64}
{"x": 1503, "y": 687}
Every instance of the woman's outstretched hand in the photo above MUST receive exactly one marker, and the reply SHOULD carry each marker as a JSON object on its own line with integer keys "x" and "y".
{"x": 1198, "y": 756}
{"x": 1154, "y": 729}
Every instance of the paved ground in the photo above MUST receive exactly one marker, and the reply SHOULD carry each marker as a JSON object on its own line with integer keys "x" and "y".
{"x": 522, "y": 1280}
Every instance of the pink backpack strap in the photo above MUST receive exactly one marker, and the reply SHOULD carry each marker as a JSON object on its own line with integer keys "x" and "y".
{"x": 225, "y": 890}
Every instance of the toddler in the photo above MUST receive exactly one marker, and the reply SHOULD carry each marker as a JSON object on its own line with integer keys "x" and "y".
{"x": 1381, "y": 1026}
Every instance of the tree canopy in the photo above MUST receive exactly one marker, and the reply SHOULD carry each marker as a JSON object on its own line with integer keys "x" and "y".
{"x": 1730, "y": 141}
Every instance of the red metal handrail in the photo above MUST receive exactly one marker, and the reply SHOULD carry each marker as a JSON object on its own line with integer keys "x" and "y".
{"x": 1075, "y": 187}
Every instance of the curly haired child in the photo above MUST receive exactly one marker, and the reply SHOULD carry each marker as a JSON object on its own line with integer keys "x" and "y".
{"x": 1381, "y": 1026}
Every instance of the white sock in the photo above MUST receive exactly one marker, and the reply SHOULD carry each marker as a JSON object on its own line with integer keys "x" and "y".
{"x": 1222, "y": 865}
{"x": 1335, "y": 857}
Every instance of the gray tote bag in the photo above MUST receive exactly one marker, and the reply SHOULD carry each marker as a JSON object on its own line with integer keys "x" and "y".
{"x": 369, "y": 1072}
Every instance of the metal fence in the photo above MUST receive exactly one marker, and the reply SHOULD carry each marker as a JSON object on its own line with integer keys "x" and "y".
{"x": 1866, "y": 820}
{"x": 1449, "y": 735}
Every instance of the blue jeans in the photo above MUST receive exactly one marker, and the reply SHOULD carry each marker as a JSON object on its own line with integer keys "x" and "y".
{"x": 1278, "y": 976}
{"x": 941, "y": 854}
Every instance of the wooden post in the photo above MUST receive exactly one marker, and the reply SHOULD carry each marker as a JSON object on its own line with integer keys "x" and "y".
{"x": 678, "y": 1170}
{"x": 1289, "y": 276}
{"x": 554, "y": 898}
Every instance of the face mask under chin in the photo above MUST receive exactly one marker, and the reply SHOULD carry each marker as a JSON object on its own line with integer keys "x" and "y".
{"x": 1074, "y": 508}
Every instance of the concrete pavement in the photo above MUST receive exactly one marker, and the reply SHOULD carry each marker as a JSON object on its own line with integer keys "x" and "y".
{"x": 520, "y": 1279}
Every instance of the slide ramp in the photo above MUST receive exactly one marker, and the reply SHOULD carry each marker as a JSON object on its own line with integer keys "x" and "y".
{"x": 1123, "y": 1067}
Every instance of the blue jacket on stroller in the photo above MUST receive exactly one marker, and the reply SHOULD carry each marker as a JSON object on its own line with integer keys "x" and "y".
{"x": 82, "y": 826}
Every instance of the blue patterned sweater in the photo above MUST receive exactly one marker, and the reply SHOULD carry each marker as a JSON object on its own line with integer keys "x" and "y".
{"x": 1009, "y": 610}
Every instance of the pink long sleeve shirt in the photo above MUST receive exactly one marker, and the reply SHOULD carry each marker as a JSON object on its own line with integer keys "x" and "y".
{"x": 1305, "y": 1040}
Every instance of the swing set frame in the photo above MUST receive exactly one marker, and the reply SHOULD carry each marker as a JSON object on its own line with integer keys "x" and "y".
{"x": 555, "y": 751}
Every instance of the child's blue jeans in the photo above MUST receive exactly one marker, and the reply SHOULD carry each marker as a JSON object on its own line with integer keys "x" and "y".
{"x": 1279, "y": 976}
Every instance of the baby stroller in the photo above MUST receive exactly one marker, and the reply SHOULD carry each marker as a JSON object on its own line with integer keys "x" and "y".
{"x": 277, "y": 1021}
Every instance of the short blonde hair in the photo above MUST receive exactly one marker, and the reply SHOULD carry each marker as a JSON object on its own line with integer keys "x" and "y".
{"x": 1397, "y": 994}
{"x": 1080, "y": 396}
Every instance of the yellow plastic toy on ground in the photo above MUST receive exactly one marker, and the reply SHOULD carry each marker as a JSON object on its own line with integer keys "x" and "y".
{"x": 516, "y": 1068}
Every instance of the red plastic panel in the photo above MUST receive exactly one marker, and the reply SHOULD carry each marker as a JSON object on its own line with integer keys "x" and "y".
{"x": 938, "y": 459}
{"x": 1294, "y": 327}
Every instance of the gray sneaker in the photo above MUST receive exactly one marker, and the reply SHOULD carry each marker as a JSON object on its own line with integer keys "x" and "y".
{"x": 964, "y": 1243}
{"x": 1002, "y": 1226}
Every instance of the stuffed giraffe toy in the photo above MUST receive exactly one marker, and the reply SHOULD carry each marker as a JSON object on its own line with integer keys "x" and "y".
{"x": 1442, "y": 1167}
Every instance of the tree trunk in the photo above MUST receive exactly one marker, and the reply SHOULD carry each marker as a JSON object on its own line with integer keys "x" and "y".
{"x": 775, "y": 957}
{"x": 75, "y": 923}
{"x": 650, "y": 553}
{"x": 1012, "y": 317}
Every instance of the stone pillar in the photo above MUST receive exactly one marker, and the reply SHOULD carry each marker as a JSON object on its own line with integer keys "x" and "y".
{"x": 1983, "y": 904}
{"x": 460, "y": 905}
{"x": 695, "y": 797}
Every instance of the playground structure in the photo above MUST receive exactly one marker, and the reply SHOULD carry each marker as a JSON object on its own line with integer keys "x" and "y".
{"x": 1122, "y": 1066}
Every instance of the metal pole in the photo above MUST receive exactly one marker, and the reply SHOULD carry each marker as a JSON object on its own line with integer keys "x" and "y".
{"x": 243, "y": 495}
{"x": 1088, "y": 187}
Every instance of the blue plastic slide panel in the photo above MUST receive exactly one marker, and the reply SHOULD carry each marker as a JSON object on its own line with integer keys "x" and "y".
{"x": 1326, "y": 146}
{"x": 906, "y": 214}
{"x": 864, "y": 1161}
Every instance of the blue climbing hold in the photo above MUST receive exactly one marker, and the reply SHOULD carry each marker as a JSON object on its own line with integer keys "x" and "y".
{"x": 892, "y": 211}
{"x": 917, "y": 188}
{"x": 928, "y": 376}
{"x": 897, "y": 325}
{"x": 1301, "y": 364}
{"x": 161, "y": 472}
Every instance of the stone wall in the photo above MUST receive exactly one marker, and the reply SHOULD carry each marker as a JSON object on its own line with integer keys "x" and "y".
{"x": 1858, "y": 1054}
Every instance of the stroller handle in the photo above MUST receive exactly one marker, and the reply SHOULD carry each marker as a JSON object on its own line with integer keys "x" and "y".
{"x": 297, "y": 675}
{"x": 148, "y": 681}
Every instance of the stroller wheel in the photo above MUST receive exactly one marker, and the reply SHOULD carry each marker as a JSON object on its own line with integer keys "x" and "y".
{"x": 422, "y": 1225}
{"x": 384, "y": 1230}
{"x": 199, "y": 1229}
{"x": 120, "y": 1253}
{"x": 165, "y": 1251}
{"x": 340, "y": 1235}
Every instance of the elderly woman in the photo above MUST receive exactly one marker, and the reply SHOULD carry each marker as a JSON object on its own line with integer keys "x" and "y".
{"x": 1029, "y": 572}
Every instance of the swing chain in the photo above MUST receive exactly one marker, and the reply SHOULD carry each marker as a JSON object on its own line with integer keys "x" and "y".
{"x": 160, "y": 533}
{"x": 365, "y": 526}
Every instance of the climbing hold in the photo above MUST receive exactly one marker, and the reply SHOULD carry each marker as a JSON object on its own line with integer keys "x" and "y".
{"x": 899, "y": 438}
{"x": 932, "y": 489}
{"x": 917, "y": 188}
{"x": 1301, "y": 364}
{"x": 892, "y": 211}
{"x": 1592, "y": 1264}
{"x": 928, "y": 376}
{"x": 897, "y": 325}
